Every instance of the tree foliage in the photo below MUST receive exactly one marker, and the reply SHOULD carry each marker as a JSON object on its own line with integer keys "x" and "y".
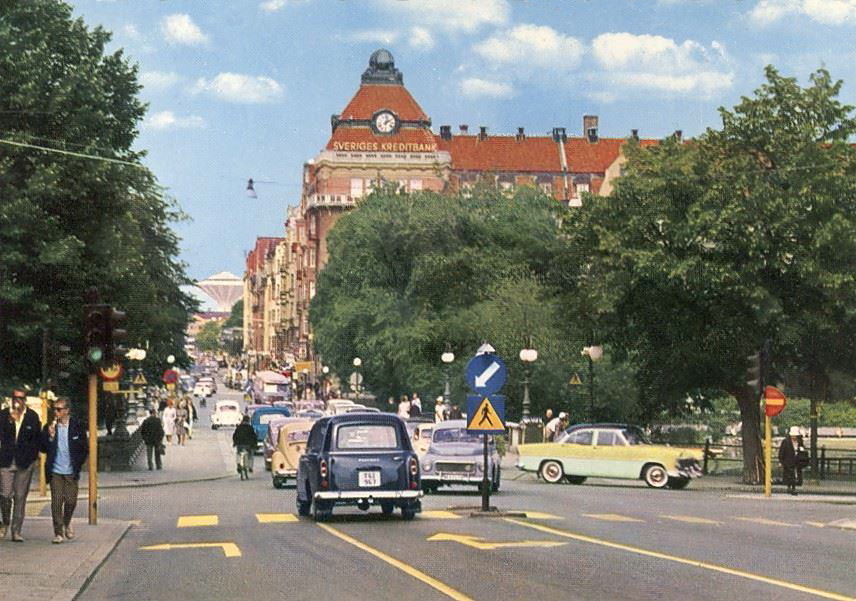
{"x": 208, "y": 338}
{"x": 66, "y": 222}
{"x": 706, "y": 249}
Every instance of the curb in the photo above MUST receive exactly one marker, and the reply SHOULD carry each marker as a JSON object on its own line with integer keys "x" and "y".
{"x": 87, "y": 572}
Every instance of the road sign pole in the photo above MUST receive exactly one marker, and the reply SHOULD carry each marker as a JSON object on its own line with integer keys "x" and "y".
{"x": 93, "y": 449}
{"x": 768, "y": 457}
{"x": 485, "y": 481}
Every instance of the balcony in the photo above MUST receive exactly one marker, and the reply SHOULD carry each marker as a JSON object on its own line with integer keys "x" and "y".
{"x": 344, "y": 201}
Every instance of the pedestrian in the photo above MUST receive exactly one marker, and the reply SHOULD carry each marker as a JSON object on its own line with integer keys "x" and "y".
{"x": 108, "y": 410}
{"x": 192, "y": 416}
{"x": 415, "y": 401}
{"x": 793, "y": 457}
{"x": 391, "y": 405}
{"x": 455, "y": 412}
{"x": 181, "y": 423}
{"x": 404, "y": 407}
{"x": 244, "y": 437}
{"x": 20, "y": 443}
{"x": 151, "y": 431}
{"x": 548, "y": 415}
{"x": 555, "y": 427}
{"x": 439, "y": 410}
{"x": 67, "y": 446}
{"x": 168, "y": 421}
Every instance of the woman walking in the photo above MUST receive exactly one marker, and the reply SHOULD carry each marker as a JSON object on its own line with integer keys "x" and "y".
{"x": 793, "y": 457}
{"x": 180, "y": 423}
{"x": 168, "y": 419}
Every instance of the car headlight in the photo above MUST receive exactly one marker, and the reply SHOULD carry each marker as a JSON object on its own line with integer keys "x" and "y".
{"x": 426, "y": 466}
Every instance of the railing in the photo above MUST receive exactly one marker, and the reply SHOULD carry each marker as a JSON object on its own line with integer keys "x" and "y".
{"x": 330, "y": 200}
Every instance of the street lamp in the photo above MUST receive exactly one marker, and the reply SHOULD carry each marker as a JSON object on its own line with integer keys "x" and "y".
{"x": 357, "y": 362}
{"x": 528, "y": 356}
{"x": 447, "y": 358}
{"x": 324, "y": 371}
{"x": 594, "y": 353}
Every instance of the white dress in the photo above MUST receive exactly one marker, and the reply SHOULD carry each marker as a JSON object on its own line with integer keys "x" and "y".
{"x": 168, "y": 420}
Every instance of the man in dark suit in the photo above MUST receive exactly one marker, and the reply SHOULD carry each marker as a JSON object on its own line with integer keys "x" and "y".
{"x": 65, "y": 442}
{"x": 20, "y": 443}
{"x": 151, "y": 431}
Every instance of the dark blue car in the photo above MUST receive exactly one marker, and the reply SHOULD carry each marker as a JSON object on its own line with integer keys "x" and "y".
{"x": 360, "y": 459}
{"x": 261, "y": 416}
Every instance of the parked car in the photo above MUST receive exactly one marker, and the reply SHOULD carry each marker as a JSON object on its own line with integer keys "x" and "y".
{"x": 290, "y": 444}
{"x": 226, "y": 413}
{"x": 456, "y": 456}
{"x": 260, "y": 418}
{"x": 610, "y": 451}
{"x": 360, "y": 459}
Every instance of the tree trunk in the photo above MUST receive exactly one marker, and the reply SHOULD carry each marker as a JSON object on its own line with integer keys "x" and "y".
{"x": 753, "y": 456}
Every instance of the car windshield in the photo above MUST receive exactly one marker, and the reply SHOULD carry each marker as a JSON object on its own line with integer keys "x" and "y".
{"x": 635, "y": 436}
{"x": 366, "y": 436}
{"x": 455, "y": 435}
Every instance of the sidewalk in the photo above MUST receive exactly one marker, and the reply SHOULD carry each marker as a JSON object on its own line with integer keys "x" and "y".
{"x": 46, "y": 571}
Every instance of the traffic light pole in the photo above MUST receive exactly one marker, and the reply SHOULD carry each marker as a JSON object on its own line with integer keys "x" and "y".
{"x": 92, "y": 398}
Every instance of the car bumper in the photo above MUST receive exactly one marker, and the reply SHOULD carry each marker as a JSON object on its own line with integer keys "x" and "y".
{"x": 285, "y": 473}
{"x": 369, "y": 495}
{"x": 689, "y": 469}
{"x": 452, "y": 479}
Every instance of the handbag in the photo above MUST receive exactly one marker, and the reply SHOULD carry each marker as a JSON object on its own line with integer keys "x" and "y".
{"x": 161, "y": 449}
{"x": 802, "y": 459}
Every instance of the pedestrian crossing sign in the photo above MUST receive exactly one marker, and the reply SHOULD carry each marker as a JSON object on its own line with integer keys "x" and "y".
{"x": 140, "y": 380}
{"x": 486, "y": 414}
{"x": 575, "y": 380}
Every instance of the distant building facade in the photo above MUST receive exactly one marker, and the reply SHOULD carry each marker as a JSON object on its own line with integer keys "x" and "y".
{"x": 383, "y": 136}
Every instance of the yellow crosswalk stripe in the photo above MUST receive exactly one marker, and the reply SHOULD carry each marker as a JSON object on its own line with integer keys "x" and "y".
{"x": 691, "y": 519}
{"x": 767, "y": 522}
{"x": 816, "y": 524}
{"x": 192, "y": 521}
{"x": 276, "y": 518}
{"x": 537, "y": 515}
{"x": 611, "y": 517}
{"x": 440, "y": 515}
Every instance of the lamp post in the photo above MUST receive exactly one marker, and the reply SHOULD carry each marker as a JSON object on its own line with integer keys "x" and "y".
{"x": 594, "y": 353}
{"x": 447, "y": 359}
{"x": 324, "y": 371}
{"x": 357, "y": 362}
{"x": 527, "y": 356}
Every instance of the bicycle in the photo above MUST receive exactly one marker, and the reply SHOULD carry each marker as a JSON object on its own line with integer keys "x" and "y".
{"x": 243, "y": 463}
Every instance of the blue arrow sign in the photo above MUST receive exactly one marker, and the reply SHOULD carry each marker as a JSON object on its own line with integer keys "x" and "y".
{"x": 485, "y": 374}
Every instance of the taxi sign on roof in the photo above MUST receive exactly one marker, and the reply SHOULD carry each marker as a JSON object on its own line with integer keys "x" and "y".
{"x": 486, "y": 414}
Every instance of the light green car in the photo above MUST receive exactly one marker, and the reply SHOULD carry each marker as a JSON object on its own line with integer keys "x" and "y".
{"x": 610, "y": 451}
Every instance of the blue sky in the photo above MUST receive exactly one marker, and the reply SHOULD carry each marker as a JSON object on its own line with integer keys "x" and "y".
{"x": 245, "y": 88}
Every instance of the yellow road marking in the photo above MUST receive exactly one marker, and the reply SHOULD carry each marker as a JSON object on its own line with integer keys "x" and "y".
{"x": 481, "y": 545}
{"x": 690, "y": 519}
{"x": 229, "y": 549}
{"x": 683, "y": 560}
{"x": 768, "y": 522}
{"x": 276, "y": 518}
{"x": 191, "y": 521}
{"x": 817, "y": 524}
{"x": 611, "y": 517}
{"x": 407, "y": 569}
{"x": 537, "y": 515}
{"x": 440, "y": 515}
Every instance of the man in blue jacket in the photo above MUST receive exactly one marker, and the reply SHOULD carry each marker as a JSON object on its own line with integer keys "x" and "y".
{"x": 64, "y": 440}
{"x": 20, "y": 443}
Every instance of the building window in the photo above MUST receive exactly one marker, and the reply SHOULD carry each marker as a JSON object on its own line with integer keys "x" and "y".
{"x": 356, "y": 187}
{"x": 546, "y": 188}
{"x": 582, "y": 188}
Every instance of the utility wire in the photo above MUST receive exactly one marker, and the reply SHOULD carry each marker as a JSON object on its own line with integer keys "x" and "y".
{"x": 79, "y": 155}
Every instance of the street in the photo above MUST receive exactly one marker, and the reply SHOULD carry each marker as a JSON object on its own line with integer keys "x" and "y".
{"x": 241, "y": 540}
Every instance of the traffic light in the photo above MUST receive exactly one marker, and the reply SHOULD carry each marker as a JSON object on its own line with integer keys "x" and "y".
{"x": 116, "y": 335}
{"x": 96, "y": 318}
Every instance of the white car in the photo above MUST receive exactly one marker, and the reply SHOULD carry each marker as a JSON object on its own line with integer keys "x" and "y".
{"x": 226, "y": 413}
{"x": 336, "y": 406}
{"x": 202, "y": 390}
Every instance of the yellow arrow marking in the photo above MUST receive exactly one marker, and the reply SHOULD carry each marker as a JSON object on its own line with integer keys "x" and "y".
{"x": 229, "y": 549}
{"x": 478, "y": 543}
{"x": 276, "y": 518}
{"x": 683, "y": 560}
{"x": 440, "y": 515}
{"x": 767, "y": 522}
{"x": 191, "y": 521}
{"x": 611, "y": 517}
{"x": 816, "y": 524}
{"x": 691, "y": 519}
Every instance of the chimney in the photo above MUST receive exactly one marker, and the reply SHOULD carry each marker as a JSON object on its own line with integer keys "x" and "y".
{"x": 520, "y": 134}
{"x": 482, "y": 132}
{"x": 445, "y": 132}
{"x": 464, "y": 128}
{"x": 559, "y": 134}
{"x": 634, "y": 133}
{"x": 590, "y": 127}
{"x": 334, "y": 122}
{"x": 679, "y": 135}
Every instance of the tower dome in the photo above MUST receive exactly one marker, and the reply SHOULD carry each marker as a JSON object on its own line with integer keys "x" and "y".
{"x": 382, "y": 68}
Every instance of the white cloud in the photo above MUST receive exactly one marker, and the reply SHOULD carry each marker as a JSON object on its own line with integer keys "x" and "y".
{"x": 379, "y": 36}
{"x": 180, "y": 29}
{"x": 272, "y": 5}
{"x": 421, "y": 38}
{"x": 130, "y": 31}
{"x": 531, "y": 45}
{"x": 245, "y": 89}
{"x": 167, "y": 120}
{"x": 658, "y": 63}
{"x": 827, "y": 12}
{"x": 451, "y": 15}
{"x": 475, "y": 88}
{"x": 159, "y": 79}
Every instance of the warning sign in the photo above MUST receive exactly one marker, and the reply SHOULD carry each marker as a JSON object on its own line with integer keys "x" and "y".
{"x": 140, "y": 380}
{"x": 486, "y": 414}
{"x": 575, "y": 380}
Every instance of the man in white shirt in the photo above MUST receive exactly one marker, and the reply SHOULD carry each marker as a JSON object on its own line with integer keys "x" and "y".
{"x": 555, "y": 427}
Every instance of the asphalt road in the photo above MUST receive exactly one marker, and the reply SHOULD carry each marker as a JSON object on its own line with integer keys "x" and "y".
{"x": 597, "y": 542}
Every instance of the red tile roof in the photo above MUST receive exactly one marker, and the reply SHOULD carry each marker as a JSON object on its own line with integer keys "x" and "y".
{"x": 591, "y": 157}
{"x": 501, "y": 153}
{"x": 372, "y": 97}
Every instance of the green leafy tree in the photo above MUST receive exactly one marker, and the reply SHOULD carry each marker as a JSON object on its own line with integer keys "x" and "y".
{"x": 706, "y": 249}
{"x": 208, "y": 338}
{"x": 236, "y": 317}
{"x": 69, "y": 222}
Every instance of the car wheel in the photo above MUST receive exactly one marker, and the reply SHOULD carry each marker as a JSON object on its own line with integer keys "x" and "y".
{"x": 678, "y": 483}
{"x": 303, "y": 506}
{"x": 655, "y": 476}
{"x": 575, "y": 479}
{"x": 323, "y": 511}
{"x": 213, "y": 426}
{"x": 278, "y": 483}
{"x": 552, "y": 471}
{"x": 387, "y": 507}
{"x": 408, "y": 512}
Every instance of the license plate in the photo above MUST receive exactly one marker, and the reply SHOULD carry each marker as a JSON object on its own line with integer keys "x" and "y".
{"x": 369, "y": 478}
{"x": 453, "y": 476}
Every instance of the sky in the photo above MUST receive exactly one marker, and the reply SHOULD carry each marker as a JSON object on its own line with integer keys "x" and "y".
{"x": 245, "y": 88}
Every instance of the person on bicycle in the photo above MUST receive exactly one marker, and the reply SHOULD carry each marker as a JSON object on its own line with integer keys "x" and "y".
{"x": 244, "y": 438}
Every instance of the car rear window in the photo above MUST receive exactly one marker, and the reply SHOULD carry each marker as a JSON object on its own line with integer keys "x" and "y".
{"x": 455, "y": 435}
{"x": 266, "y": 418}
{"x": 366, "y": 436}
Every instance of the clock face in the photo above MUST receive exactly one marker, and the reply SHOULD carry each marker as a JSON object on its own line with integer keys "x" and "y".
{"x": 385, "y": 122}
